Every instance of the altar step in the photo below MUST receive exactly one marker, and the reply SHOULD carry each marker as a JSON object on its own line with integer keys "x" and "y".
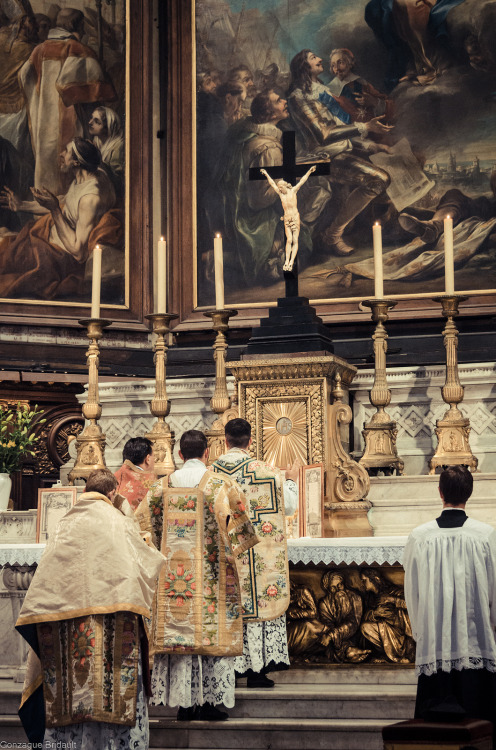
{"x": 311, "y": 709}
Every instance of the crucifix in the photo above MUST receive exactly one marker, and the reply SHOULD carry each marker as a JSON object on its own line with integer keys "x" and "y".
{"x": 289, "y": 172}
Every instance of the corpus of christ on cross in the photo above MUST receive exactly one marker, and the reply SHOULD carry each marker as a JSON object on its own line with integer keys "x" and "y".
{"x": 289, "y": 171}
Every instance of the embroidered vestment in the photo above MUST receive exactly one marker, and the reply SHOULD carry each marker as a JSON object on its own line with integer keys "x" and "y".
{"x": 201, "y": 531}
{"x": 264, "y": 571}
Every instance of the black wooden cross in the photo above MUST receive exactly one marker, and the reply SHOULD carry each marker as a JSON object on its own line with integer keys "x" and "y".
{"x": 291, "y": 172}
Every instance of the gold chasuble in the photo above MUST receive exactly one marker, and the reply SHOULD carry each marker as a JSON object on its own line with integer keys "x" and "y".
{"x": 264, "y": 572}
{"x": 201, "y": 531}
{"x": 81, "y": 616}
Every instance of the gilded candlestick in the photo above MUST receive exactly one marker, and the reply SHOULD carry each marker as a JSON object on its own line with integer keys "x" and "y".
{"x": 161, "y": 435}
{"x": 220, "y": 402}
{"x": 380, "y": 433}
{"x": 90, "y": 443}
{"x": 453, "y": 429}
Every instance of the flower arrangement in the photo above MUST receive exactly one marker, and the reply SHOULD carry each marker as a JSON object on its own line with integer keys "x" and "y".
{"x": 16, "y": 436}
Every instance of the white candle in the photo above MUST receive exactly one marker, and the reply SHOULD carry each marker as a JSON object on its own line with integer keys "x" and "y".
{"x": 219, "y": 272}
{"x": 97, "y": 281}
{"x": 378, "y": 277}
{"x": 449, "y": 259}
{"x": 161, "y": 276}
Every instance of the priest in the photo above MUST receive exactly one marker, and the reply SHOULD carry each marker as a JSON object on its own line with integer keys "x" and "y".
{"x": 82, "y": 617}
{"x": 136, "y": 475}
{"x": 450, "y": 591}
{"x": 198, "y": 520}
{"x": 264, "y": 574}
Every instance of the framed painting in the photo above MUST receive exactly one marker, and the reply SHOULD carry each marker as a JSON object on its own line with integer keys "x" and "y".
{"x": 70, "y": 75}
{"x": 311, "y": 500}
{"x": 392, "y": 96}
{"x": 53, "y": 504}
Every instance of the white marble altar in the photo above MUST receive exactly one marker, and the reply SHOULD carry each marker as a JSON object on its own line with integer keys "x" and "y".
{"x": 399, "y": 504}
{"x": 416, "y": 404}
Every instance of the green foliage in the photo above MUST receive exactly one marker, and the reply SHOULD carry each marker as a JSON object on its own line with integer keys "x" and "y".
{"x": 16, "y": 437}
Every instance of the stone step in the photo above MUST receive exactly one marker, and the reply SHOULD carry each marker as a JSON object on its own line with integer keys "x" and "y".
{"x": 366, "y": 674}
{"x": 277, "y": 734}
{"x": 320, "y": 701}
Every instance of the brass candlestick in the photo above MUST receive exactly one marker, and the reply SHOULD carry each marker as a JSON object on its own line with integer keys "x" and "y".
{"x": 161, "y": 435}
{"x": 220, "y": 401}
{"x": 90, "y": 443}
{"x": 453, "y": 429}
{"x": 380, "y": 433}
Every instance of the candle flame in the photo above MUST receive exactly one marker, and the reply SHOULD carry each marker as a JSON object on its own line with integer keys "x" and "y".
{"x": 218, "y": 234}
{"x": 162, "y": 239}
{"x": 376, "y": 224}
{"x": 448, "y": 216}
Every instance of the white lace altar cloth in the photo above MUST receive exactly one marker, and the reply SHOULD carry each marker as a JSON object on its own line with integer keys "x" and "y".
{"x": 21, "y": 554}
{"x": 348, "y": 550}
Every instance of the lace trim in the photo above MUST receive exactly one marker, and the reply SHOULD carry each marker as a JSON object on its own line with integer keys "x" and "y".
{"x": 447, "y": 665}
{"x": 263, "y": 642}
{"x": 193, "y": 680}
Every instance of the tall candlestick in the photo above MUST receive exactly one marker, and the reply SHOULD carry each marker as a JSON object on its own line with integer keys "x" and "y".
{"x": 219, "y": 272}
{"x": 449, "y": 260}
{"x": 97, "y": 281}
{"x": 378, "y": 277}
{"x": 161, "y": 277}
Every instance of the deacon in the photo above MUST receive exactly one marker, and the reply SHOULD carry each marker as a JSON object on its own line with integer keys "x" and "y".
{"x": 82, "y": 617}
{"x": 450, "y": 591}
{"x": 199, "y": 522}
{"x": 136, "y": 475}
{"x": 265, "y": 646}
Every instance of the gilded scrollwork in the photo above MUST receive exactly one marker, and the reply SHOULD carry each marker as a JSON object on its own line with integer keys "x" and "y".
{"x": 361, "y": 617}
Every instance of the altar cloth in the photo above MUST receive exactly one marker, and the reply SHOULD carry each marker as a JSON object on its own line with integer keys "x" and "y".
{"x": 21, "y": 554}
{"x": 347, "y": 550}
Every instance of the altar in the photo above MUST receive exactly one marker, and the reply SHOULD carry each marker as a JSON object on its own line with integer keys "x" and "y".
{"x": 351, "y": 575}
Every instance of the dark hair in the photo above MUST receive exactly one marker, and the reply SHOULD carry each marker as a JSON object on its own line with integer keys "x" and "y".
{"x": 89, "y": 155}
{"x": 456, "y": 484}
{"x": 233, "y": 73}
{"x": 136, "y": 450}
{"x": 231, "y": 87}
{"x": 300, "y": 72}
{"x": 102, "y": 481}
{"x": 238, "y": 433}
{"x": 261, "y": 107}
{"x": 193, "y": 444}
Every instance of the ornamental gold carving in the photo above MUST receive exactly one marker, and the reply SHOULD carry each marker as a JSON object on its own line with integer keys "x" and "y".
{"x": 295, "y": 409}
{"x": 349, "y": 615}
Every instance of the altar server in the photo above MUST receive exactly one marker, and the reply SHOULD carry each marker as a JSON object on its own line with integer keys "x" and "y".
{"x": 198, "y": 520}
{"x": 450, "y": 591}
{"x": 82, "y": 617}
{"x": 265, "y": 645}
{"x": 136, "y": 475}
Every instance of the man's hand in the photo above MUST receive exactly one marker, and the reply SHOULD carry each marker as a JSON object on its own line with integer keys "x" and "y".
{"x": 46, "y": 199}
{"x": 366, "y": 100}
{"x": 293, "y": 472}
{"x": 9, "y": 199}
{"x": 264, "y": 172}
{"x": 313, "y": 168}
{"x": 376, "y": 126}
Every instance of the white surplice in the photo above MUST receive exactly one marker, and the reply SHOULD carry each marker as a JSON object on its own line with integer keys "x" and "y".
{"x": 450, "y": 592}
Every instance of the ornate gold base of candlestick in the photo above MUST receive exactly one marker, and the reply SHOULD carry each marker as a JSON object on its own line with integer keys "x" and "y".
{"x": 380, "y": 433}
{"x": 161, "y": 436}
{"x": 220, "y": 402}
{"x": 453, "y": 429}
{"x": 90, "y": 443}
